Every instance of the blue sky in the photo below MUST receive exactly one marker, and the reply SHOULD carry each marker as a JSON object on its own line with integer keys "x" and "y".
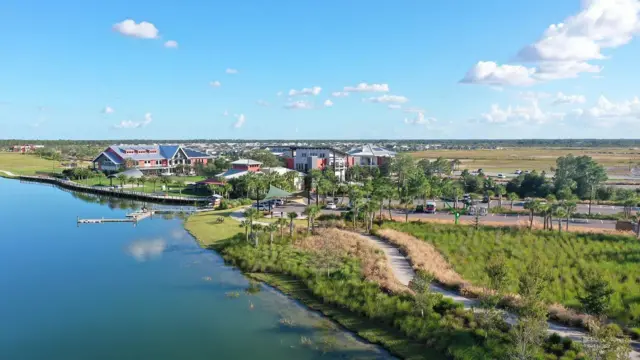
{"x": 433, "y": 69}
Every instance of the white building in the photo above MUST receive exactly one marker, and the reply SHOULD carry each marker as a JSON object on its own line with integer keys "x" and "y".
{"x": 371, "y": 155}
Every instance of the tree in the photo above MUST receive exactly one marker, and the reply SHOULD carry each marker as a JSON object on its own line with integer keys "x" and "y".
{"x": 597, "y": 294}
{"x": 533, "y": 207}
{"x": 100, "y": 175}
{"x": 281, "y": 222}
{"x": 529, "y": 332}
{"x": 122, "y": 178}
{"x": 179, "y": 183}
{"x": 424, "y": 299}
{"x": 292, "y": 216}
{"x": 153, "y": 180}
{"x": 252, "y": 214}
{"x": 498, "y": 274}
{"x": 489, "y": 194}
{"x": 606, "y": 342}
{"x": 570, "y": 207}
{"x": 165, "y": 180}
{"x": 143, "y": 179}
{"x": 500, "y": 190}
{"x": 246, "y": 224}
{"x": 266, "y": 157}
{"x": 311, "y": 211}
{"x": 512, "y": 197}
{"x": 559, "y": 212}
{"x": 271, "y": 228}
{"x": 581, "y": 173}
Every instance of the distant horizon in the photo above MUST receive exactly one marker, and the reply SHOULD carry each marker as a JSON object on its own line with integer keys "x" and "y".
{"x": 326, "y": 140}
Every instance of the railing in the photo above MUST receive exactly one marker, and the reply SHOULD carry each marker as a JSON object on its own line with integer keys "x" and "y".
{"x": 115, "y": 193}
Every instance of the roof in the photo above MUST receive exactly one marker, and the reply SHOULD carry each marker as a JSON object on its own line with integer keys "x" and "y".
{"x": 132, "y": 173}
{"x": 194, "y": 154}
{"x": 320, "y": 147}
{"x": 246, "y": 162}
{"x": 232, "y": 173}
{"x": 162, "y": 152}
{"x": 168, "y": 151}
{"x": 280, "y": 170}
{"x": 275, "y": 192}
{"x": 371, "y": 150}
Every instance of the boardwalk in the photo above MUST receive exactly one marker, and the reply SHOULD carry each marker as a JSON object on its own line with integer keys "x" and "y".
{"x": 133, "y": 217}
{"x": 136, "y": 195}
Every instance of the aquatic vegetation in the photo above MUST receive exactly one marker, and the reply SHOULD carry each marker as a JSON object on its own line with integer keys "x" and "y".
{"x": 305, "y": 341}
{"x": 232, "y": 294}
{"x": 287, "y": 322}
{"x": 253, "y": 288}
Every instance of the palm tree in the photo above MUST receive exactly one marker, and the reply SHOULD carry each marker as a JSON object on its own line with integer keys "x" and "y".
{"x": 512, "y": 197}
{"x": 180, "y": 184}
{"x": 166, "y": 181}
{"x": 246, "y": 225}
{"x": 291, "y": 215}
{"x": 153, "y": 180}
{"x": 500, "y": 191}
{"x": 560, "y": 212}
{"x": 100, "y": 175}
{"x": 252, "y": 214}
{"x": 226, "y": 188}
{"x": 133, "y": 180}
{"x": 281, "y": 222}
{"x": 570, "y": 208}
{"x": 311, "y": 211}
{"x": 142, "y": 180}
{"x": 122, "y": 178}
{"x": 272, "y": 228}
{"x": 489, "y": 194}
{"x": 533, "y": 207}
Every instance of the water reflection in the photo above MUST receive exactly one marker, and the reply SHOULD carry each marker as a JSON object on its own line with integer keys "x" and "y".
{"x": 143, "y": 250}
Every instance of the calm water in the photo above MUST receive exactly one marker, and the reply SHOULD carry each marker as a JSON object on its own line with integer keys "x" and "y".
{"x": 115, "y": 291}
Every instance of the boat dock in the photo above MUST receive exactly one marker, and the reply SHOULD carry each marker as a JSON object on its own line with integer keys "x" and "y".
{"x": 133, "y": 217}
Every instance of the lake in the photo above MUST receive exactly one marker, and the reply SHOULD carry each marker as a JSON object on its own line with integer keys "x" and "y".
{"x": 118, "y": 291}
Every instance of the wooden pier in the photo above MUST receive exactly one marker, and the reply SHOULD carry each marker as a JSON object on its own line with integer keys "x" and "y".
{"x": 130, "y": 218}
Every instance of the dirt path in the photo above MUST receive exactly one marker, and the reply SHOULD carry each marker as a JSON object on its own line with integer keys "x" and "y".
{"x": 403, "y": 271}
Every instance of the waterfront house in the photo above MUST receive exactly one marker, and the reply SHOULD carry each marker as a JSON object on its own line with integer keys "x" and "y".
{"x": 150, "y": 159}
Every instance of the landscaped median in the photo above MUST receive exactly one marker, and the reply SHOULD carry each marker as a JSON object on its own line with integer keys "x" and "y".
{"x": 349, "y": 279}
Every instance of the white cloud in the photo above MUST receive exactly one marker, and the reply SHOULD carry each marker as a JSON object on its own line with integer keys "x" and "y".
{"x": 414, "y": 110}
{"x": 339, "y": 94}
{"x": 107, "y": 110}
{"x": 419, "y": 119}
{"x": 565, "y": 49}
{"x": 328, "y": 103}
{"x": 389, "y": 99}
{"x": 240, "y": 119}
{"x": 128, "y": 124}
{"x": 533, "y": 95}
{"x": 215, "y": 83}
{"x": 262, "y": 103}
{"x": 607, "y": 110}
{"x": 394, "y": 106}
{"x": 231, "y": 71}
{"x": 561, "y": 98}
{"x": 521, "y": 114}
{"x": 299, "y": 105}
{"x": 225, "y": 113}
{"x": 490, "y": 73}
{"x": 600, "y": 24}
{"x": 143, "y": 30}
{"x": 171, "y": 44}
{"x": 364, "y": 87}
{"x": 306, "y": 91}
{"x": 146, "y": 250}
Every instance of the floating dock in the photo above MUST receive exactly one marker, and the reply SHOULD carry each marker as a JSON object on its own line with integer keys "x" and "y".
{"x": 133, "y": 217}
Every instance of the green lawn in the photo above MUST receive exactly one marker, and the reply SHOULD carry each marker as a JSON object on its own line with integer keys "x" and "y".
{"x": 25, "y": 164}
{"x": 567, "y": 255}
{"x": 207, "y": 231}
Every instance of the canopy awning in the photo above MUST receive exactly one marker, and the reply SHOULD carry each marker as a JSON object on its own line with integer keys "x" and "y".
{"x": 275, "y": 193}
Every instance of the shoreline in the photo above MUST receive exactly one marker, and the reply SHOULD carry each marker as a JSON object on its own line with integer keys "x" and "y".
{"x": 133, "y": 195}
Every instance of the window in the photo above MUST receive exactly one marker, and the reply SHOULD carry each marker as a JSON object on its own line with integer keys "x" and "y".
{"x": 304, "y": 154}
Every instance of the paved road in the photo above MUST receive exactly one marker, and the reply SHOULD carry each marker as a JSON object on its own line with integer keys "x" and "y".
{"x": 403, "y": 271}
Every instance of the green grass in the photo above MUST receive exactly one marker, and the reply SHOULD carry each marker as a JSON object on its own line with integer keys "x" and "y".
{"x": 26, "y": 164}
{"x": 208, "y": 232}
{"x": 567, "y": 256}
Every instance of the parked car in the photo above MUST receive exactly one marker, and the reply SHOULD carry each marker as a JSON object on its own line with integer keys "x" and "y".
{"x": 518, "y": 172}
{"x": 261, "y": 206}
{"x": 501, "y": 176}
{"x": 485, "y": 199}
{"x": 331, "y": 206}
{"x": 431, "y": 207}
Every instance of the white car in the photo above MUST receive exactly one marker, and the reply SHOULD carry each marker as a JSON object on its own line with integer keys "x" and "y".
{"x": 518, "y": 172}
{"x": 501, "y": 176}
{"x": 331, "y": 206}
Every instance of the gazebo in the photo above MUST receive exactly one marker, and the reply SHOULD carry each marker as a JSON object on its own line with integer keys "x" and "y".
{"x": 275, "y": 193}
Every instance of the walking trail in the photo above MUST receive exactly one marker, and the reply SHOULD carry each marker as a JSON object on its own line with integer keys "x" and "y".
{"x": 403, "y": 271}
{"x": 8, "y": 173}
